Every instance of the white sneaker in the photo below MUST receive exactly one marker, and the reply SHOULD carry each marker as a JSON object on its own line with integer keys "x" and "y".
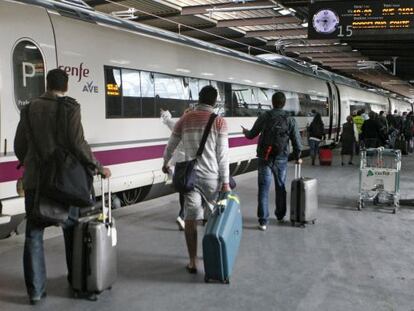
{"x": 181, "y": 224}
{"x": 262, "y": 227}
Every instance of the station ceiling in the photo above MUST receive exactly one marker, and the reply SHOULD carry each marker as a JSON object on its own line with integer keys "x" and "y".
{"x": 268, "y": 26}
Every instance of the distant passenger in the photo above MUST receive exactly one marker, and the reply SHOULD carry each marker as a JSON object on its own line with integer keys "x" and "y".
{"x": 397, "y": 121}
{"x": 349, "y": 138}
{"x": 179, "y": 156}
{"x": 212, "y": 167}
{"x": 383, "y": 123}
{"x": 42, "y": 117}
{"x": 371, "y": 133}
{"x": 408, "y": 127}
{"x": 316, "y": 133}
{"x": 358, "y": 121}
{"x": 364, "y": 115}
{"x": 275, "y": 127}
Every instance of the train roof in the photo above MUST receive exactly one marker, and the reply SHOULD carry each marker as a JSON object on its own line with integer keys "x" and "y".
{"x": 77, "y": 9}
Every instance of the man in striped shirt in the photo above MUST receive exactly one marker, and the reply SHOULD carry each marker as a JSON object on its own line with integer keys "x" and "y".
{"x": 212, "y": 168}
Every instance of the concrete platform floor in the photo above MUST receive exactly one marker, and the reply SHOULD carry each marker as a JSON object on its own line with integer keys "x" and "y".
{"x": 349, "y": 260}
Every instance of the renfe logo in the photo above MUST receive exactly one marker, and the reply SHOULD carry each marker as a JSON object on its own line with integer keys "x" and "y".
{"x": 79, "y": 72}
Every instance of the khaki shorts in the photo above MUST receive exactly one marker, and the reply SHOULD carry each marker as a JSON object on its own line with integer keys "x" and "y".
{"x": 201, "y": 200}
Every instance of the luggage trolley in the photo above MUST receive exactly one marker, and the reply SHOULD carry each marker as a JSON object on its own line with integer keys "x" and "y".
{"x": 379, "y": 177}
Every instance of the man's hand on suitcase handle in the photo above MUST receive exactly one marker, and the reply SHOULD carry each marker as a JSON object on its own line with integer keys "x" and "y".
{"x": 226, "y": 188}
{"x": 299, "y": 161}
{"x": 106, "y": 172}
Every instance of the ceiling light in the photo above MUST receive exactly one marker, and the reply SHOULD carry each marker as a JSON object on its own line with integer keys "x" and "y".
{"x": 344, "y": 43}
{"x": 182, "y": 70}
{"x": 30, "y": 47}
{"x": 284, "y": 12}
{"x": 207, "y": 74}
{"x": 354, "y": 50}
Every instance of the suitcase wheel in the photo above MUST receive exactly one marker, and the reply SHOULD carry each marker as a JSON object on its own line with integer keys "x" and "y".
{"x": 206, "y": 279}
{"x": 313, "y": 222}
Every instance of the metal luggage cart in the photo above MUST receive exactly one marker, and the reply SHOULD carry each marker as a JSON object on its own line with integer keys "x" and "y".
{"x": 379, "y": 177}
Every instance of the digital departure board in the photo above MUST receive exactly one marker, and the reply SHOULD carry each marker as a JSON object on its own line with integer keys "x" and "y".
{"x": 345, "y": 19}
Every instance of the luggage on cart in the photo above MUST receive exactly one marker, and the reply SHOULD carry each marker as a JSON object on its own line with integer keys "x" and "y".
{"x": 303, "y": 199}
{"x": 94, "y": 261}
{"x": 222, "y": 239}
{"x": 325, "y": 156}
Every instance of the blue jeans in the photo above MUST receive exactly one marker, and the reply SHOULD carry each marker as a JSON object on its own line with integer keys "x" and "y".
{"x": 314, "y": 148}
{"x": 276, "y": 168}
{"x": 33, "y": 255}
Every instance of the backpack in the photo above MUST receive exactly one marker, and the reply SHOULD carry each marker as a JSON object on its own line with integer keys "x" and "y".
{"x": 315, "y": 130}
{"x": 275, "y": 136}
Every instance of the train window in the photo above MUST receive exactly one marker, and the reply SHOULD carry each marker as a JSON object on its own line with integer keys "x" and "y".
{"x": 221, "y": 108}
{"x": 28, "y": 73}
{"x": 131, "y": 94}
{"x": 148, "y": 94}
{"x": 171, "y": 93}
{"x": 355, "y": 106}
{"x": 194, "y": 90}
{"x": 293, "y": 104}
{"x": 242, "y": 101}
{"x": 113, "y": 88}
{"x": 311, "y": 103}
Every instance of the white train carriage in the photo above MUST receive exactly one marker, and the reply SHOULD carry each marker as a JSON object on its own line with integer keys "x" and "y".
{"x": 122, "y": 73}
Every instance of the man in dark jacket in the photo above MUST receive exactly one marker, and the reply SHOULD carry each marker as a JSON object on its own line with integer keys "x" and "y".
{"x": 371, "y": 132}
{"x": 44, "y": 126}
{"x": 275, "y": 164}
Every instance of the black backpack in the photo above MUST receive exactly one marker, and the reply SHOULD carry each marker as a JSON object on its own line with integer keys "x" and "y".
{"x": 275, "y": 136}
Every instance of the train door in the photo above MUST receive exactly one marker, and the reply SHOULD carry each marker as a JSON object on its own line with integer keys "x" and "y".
{"x": 27, "y": 50}
{"x": 389, "y": 106}
{"x": 334, "y": 111}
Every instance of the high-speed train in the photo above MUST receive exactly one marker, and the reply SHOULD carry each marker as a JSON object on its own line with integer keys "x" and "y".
{"x": 122, "y": 73}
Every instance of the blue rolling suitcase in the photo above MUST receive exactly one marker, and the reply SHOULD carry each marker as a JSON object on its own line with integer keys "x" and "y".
{"x": 222, "y": 239}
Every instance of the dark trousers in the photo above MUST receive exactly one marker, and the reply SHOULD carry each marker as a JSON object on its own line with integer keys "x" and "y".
{"x": 33, "y": 255}
{"x": 181, "y": 212}
{"x": 267, "y": 170}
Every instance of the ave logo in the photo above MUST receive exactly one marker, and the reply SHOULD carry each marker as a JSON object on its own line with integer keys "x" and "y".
{"x": 89, "y": 87}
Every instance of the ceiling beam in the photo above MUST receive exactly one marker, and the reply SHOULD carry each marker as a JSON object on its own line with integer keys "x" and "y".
{"x": 295, "y": 3}
{"x": 306, "y": 42}
{"x": 277, "y": 33}
{"x": 272, "y": 20}
{"x": 319, "y": 49}
{"x": 331, "y": 55}
{"x": 338, "y": 59}
{"x": 228, "y": 6}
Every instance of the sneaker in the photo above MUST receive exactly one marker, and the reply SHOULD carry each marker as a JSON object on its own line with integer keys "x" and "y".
{"x": 262, "y": 227}
{"x": 281, "y": 221}
{"x": 181, "y": 224}
{"x": 36, "y": 300}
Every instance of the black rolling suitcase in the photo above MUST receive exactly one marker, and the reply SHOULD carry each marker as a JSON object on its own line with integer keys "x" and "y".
{"x": 303, "y": 199}
{"x": 401, "y": 144}
{"x": 94, "y": 262}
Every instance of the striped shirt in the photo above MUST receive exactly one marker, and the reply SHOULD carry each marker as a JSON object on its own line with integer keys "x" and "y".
{"x": 214, "y": 162}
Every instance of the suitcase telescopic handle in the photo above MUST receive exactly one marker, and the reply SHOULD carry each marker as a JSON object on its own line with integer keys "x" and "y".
{"x": 107, "y": 215}
{"x": 298, "y": 168}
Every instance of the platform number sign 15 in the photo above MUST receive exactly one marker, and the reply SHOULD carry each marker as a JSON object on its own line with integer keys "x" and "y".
{"x": 28, "y": 73}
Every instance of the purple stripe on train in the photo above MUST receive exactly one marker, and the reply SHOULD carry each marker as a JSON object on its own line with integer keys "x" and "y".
{"x": 8, "y": 171}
